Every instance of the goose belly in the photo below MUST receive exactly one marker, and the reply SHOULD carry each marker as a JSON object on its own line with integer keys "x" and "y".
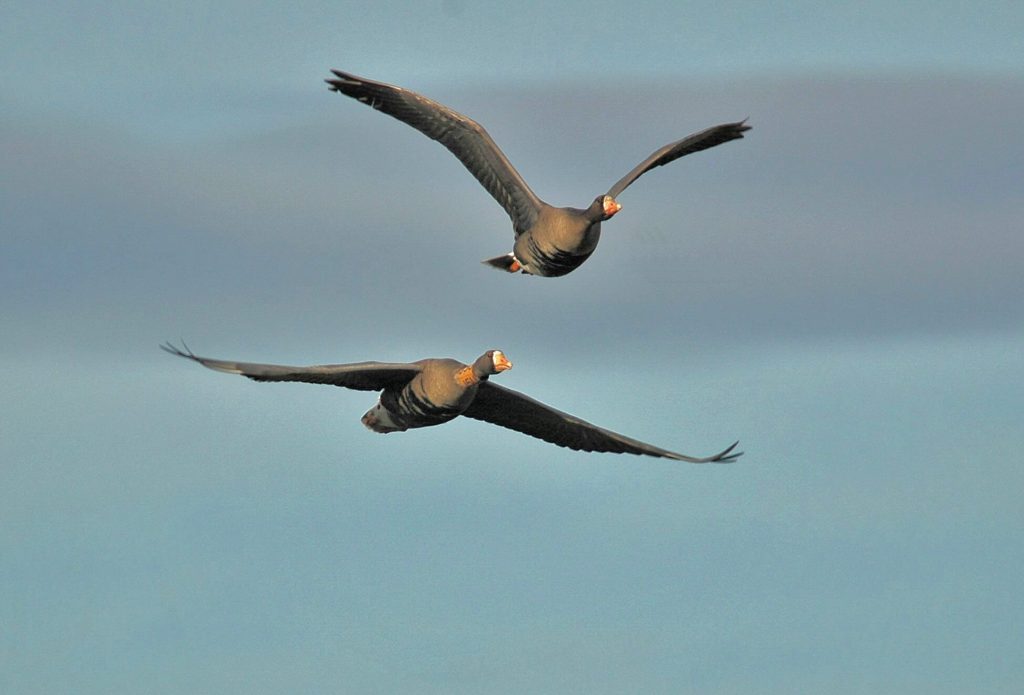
{"x": 397, "y": 412}
{"x": 550, "y": 260}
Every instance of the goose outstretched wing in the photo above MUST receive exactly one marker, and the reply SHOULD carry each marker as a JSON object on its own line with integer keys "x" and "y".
{"x": 516, "y": 411}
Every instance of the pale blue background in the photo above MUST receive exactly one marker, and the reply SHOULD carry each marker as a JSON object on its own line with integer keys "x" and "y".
{"x": 841, "y": 291}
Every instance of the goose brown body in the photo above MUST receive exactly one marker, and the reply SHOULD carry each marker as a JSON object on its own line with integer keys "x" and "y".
{"x": 434, "y": 391}
{"x": 441, "y": 390}
{"x": 560, "y": 242}
{"x": 550, "y": 241}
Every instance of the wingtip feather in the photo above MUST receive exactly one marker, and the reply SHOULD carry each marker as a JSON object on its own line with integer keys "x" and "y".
{"x": 173, "y": 349}
{"x": 726, "y": 456}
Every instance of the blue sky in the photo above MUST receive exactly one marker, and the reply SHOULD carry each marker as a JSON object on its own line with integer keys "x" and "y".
{"x": 840, "y": 291}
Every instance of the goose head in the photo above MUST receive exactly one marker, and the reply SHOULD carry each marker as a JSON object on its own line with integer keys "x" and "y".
{"x": 491, "y": 362}
{"x": 604, "y": 208}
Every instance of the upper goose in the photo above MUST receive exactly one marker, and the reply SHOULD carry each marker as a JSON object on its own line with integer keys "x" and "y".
{"x": 434, "y": 391}
{"x": 550, "y": 241}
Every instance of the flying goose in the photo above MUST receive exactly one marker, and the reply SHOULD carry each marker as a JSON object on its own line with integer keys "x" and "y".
{"x": 549, "y": 241}
{"x": 434, "y": 391}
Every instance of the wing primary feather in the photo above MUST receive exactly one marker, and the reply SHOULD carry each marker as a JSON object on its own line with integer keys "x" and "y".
{"x": 362, "y": 376}
{"x": 461, "y": 135}
{"x": 695, "y": 142}
{"x": 507, "y": 408}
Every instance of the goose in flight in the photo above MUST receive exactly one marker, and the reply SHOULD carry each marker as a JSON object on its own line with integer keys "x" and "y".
{"x": 550, "y": 241}
{"x": 434, "y": 391}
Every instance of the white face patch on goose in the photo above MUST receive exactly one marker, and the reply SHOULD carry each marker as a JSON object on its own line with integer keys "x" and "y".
{"x": 611, "y": 206}
{"x": 500, "y": 362}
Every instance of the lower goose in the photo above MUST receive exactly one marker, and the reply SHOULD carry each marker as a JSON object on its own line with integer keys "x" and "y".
{"x": 434, "y": 391}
